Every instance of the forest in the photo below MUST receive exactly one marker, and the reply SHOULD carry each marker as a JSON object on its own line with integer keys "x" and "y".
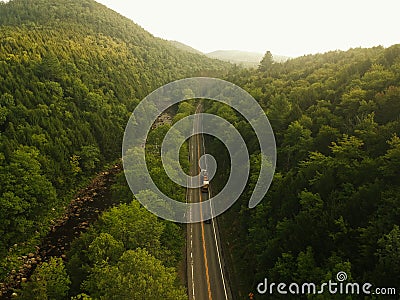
{"x": 334, "y": 202}
{"x": 71, "y": 73}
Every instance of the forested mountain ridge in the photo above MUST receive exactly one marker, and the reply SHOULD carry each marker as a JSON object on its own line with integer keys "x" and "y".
{"x": 185, "y": 47}
{"x": 70, "y": 74}
{"x": 334, "y": 202}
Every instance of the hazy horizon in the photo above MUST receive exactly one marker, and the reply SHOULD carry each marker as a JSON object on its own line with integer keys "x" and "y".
{"x": 284, "y": 27}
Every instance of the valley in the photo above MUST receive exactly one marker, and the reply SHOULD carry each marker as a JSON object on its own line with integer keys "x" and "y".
{"x": 71, "y": 74}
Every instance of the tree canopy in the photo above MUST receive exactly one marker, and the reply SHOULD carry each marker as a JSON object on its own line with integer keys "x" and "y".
{"x": 71, "y": 72}
{"x": 333, "y": 204}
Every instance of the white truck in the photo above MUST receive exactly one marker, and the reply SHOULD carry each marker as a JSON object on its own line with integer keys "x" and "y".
{"x": 204, "y": 186}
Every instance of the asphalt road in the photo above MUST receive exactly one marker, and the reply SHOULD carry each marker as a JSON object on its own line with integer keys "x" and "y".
{"x": 206, "y": 277}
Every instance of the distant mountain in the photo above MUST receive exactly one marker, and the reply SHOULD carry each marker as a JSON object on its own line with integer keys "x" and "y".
{"x": 244, "y": 58}
{"x": 251, "y": 59}
{"x": 185, "y": 47}
{"x": 238, "y": 57}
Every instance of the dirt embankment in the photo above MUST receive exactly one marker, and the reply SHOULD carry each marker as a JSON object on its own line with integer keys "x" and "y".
{"x": 83, "y": 210}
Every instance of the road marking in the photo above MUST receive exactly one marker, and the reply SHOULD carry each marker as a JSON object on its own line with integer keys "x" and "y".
{"x": 202, "y": 224}
{"x": 213, "y": 225}
{"x": 205, "y": 256}
{"x": 219, "y": 258}
{"x": 191, "y": 191}
{"x": 191, "y": 230}
{"x": 191, "y": 255}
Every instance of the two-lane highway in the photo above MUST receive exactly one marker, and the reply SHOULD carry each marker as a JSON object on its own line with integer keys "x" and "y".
{"x": 206, "y": 278}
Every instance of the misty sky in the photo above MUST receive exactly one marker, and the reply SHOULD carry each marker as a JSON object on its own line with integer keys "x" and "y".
{"x": 285, "y": 27}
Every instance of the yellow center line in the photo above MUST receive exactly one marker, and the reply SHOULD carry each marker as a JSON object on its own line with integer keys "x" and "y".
{"x": 202, "y": 228}
{"x": 205, "y": 260}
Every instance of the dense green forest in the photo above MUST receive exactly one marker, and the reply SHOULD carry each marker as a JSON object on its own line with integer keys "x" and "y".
{"x": 334, "y": 203}
{"x": 128, "y": 253}
{"x": 71, "y": 73}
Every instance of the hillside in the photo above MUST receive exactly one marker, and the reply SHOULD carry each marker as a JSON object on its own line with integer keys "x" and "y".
{"x": 72, "y": 71}
{"x": 185, "y": 47}
{"x": 334, "y": 202}
{"x": 70, "y": 74}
